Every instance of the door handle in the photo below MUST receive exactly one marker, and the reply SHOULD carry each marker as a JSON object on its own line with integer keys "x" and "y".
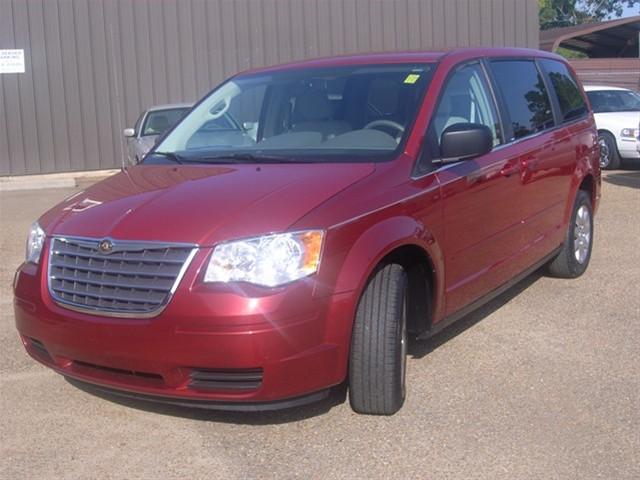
{"x": 475, "y": 177}
{"x": 510, "y": 169}
{"x": 530, "y": 163}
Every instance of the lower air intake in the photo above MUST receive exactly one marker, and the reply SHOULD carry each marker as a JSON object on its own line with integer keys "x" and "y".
{"x": 40, "y": 349}
{"x": 225, "y": 379}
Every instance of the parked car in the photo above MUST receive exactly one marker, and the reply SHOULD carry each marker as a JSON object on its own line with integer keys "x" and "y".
{"x": 366, "y": 200}
{"x": 150, "y": 125}
{"x": 617, "y": 114}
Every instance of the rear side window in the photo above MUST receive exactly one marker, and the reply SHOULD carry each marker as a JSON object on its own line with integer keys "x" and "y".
{"x": 570, "y": 99}
{"x": 525, "y": 96}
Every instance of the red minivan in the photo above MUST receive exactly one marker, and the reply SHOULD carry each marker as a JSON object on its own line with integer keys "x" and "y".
{"x": 304, "y": 221}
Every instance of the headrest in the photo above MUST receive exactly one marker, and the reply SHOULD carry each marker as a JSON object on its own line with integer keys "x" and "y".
{"x": 455, "y": 104}
{"x": 312, "y": 105}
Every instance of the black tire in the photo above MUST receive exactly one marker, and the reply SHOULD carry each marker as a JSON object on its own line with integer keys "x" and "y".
{"x": 567, "y": 264}
{"x": 377, "y": 362}
{"x": 609, "y": 156}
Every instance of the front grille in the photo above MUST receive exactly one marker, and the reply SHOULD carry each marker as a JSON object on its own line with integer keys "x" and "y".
{"x": 133, "y": 279}
{"x": 225, "y": 379}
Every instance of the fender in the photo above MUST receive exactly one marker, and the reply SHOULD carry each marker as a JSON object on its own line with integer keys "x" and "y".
{"x": 378, "y": 241}
{"x": 359, "y": 263}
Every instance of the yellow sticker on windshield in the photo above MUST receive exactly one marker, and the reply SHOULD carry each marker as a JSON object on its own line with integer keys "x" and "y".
{"x": 412, "y": 78}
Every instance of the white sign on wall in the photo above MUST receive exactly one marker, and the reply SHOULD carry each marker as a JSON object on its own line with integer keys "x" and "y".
{"x": 12, "y": 61}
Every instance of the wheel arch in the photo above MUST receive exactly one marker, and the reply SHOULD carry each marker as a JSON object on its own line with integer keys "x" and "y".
{"x": 422, "y": 283}
{"x": 588, "y": 185}
{"x": 586, "y": 176}
{"x": 405, "y": 241}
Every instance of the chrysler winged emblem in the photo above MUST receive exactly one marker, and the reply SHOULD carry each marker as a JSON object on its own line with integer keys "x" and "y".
{"x": 105, "y": 246}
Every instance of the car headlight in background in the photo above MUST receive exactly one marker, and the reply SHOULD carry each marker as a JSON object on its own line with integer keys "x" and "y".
{"x": 35, "y": 241}
{"x": 270, "y": 260}
{"x": 629, "y": 133}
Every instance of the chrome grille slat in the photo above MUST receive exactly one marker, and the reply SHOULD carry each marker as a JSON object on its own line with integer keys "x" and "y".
{"x": 115, "y": 258}
{"x": 134, "y": 279}
{"x": 111, "y": 284}
{"x": 102, "y": 296}
{"x": 114, "y": 272}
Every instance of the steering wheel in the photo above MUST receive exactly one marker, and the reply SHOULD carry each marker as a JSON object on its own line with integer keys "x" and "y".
{"x": 387, "y": 123}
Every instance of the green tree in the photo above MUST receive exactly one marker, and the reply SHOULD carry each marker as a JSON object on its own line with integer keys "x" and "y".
{"x": 564, "y": 13}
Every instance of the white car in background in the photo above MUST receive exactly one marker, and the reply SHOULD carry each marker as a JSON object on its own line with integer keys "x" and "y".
{"x": 152, "y": 123}
{"x": 617, "y": 115}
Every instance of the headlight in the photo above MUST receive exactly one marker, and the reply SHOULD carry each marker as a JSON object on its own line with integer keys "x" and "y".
{"x": 35, "y": 241}
{"x": 270, "y": 260}
{"x": 629, "y": 132}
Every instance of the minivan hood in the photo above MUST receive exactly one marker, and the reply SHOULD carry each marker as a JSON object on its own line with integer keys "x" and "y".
{"x": 200, "y": 204}
{"x": 617, "y": 120}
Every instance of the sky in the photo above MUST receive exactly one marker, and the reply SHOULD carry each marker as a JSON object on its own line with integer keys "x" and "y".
{"x": 630, "y": 12}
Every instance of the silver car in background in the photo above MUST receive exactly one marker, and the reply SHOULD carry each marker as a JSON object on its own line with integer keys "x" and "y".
{"x": 152, "y": 123}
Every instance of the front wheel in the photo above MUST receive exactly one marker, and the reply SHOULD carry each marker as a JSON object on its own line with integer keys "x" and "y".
{"x": 573, "y": 259}
{"x": 377, "y": 363}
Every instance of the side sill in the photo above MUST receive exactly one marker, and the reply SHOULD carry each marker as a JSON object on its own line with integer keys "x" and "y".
{"x": 454, "y": 317}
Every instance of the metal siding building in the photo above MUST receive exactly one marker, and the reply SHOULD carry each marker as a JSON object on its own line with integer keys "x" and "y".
{"x": 91, "y": 66}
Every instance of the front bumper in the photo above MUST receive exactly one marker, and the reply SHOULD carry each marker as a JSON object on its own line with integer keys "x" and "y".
{"x": 289, "y": 341}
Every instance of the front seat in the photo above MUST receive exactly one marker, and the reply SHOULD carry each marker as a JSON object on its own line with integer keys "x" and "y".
{"x": 313, "y": 113}
{"x": 157, "y": 125}
{"x": 453, "y": 109}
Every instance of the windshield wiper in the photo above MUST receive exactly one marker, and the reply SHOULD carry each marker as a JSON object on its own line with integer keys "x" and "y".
{"x": 245, "y": 158}
{"x": 171, "y": 156}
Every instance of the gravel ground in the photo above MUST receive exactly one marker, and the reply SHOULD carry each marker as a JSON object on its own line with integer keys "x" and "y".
{"x": 541, "y": 383}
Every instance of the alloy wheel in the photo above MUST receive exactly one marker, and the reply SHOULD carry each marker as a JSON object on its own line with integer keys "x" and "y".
{"x": 582, "y": 234}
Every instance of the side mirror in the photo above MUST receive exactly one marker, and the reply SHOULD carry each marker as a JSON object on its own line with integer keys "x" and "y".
{"x": 129, "y": 132}
{"x": 462, "y": 141}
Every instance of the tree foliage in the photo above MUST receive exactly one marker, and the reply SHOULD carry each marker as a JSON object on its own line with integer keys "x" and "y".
{"x": 564, "y": 13}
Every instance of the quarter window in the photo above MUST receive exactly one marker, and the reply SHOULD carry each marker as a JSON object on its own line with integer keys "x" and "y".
{"x": 525, "y": 96}
{"x": 571, "y": 101}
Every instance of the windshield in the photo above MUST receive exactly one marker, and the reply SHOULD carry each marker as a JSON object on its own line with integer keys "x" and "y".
{"x": 159, "y": 121}
{"x": 614, "y": 101}
{"x": 338, "y": 114}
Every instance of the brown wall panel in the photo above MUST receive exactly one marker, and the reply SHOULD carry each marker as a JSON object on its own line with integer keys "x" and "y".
{"x": 617, "y": 72}
{"x": 93, "y": 65}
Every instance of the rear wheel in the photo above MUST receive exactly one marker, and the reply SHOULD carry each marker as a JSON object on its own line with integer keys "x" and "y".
{"x": 377, "y": 363}
{"x": 573, "y": 259}
{"x": 609, "y": 157}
